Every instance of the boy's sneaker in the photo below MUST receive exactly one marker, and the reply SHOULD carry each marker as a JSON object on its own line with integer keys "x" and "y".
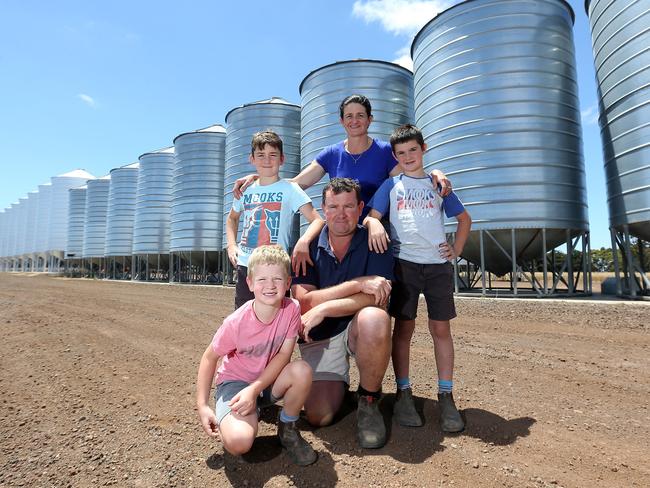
{"x": 404, "y": 409}
{"x": 450, "y": 419}
{"x": 298, "y": 449}
{"x": 371, "y": 431}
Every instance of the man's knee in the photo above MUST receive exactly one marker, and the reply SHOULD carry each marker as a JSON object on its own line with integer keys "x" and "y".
{"x": 373, "y": 324}
{"x": 319, "y": 418}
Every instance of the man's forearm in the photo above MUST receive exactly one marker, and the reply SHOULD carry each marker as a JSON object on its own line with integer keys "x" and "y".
{"x": 342, "y": 307}
{"x": 342, "y": 290}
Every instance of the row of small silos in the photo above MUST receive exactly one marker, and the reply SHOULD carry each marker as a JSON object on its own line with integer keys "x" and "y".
{"x": 35, "y": 228}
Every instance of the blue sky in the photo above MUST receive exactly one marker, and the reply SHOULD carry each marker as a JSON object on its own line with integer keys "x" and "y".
{"x": 92, "y": 85}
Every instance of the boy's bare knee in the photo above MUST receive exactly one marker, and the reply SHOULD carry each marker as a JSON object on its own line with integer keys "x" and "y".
{"x": 238, "y": 445}
{"x": 300, "y": 370}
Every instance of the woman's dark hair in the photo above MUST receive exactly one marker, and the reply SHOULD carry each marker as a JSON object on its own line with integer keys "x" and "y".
{"x": 360, "y": 99}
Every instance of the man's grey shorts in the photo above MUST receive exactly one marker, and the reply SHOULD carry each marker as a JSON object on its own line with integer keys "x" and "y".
{"x": 330, "y": 358}
{"x": 228, "y": 389}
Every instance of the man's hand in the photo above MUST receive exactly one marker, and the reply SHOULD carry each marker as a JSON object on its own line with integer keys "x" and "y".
{"x": 241, "y": 184}
{"x": 311, "y": 319}
{"x": 233, "y": 253}
{"x": 377, "y": 238}
{"x": 244, "y": 402}
{"x": 208, "y": 421}
{"x": 379, "y": 287}
{"x": 300, "y": 258}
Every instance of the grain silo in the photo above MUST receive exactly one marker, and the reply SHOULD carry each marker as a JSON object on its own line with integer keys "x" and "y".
{"x": 242, "y": 123}
{"x": 59, "y": 214}
{"x": 196, "y": 206}
{"x": 94, "y": 242}
{"x": 496, "y": 98}
{"x": 620, "y": 40}
{"x": 4, "y": 240}
{"x": 30, "y": 230}
{"x": 21, "y": 233}
{"x": 151, "y": 230}
{"x": 11, "y": 238}
{"x": 119, "y": 220}
{"x": 388, "y": 86}
{"x": 75, "y": 233}
{"x": 42, "y": 238}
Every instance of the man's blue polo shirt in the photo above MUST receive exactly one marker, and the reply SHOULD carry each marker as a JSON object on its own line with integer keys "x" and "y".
{"x": 328, "y": 271}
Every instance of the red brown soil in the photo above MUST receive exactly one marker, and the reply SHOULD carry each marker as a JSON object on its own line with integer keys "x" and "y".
{"x": 97, "y": 389}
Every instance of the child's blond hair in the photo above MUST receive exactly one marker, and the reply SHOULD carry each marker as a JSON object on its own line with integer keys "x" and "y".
{"x": 269, "y": 255}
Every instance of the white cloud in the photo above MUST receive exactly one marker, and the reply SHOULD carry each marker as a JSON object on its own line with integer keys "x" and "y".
{"x": 87, "y": 99}
{"x": 590, "y": 115}
{"x": 404, "y": 57}
{"x": 401, "y": 17}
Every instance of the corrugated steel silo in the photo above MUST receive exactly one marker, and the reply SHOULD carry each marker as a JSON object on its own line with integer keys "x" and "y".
{"x": 197, "y": 195}
{"x": 30, "y": 231}
{"x": 61, "y": 185}
{"x": 121, "y": 210}
{"x": 94, "y": 243}
{"x": 76, "y": 222}
{"x": 620, "y": 38}
{"x": 21, "y": 230}
{"x": 388, "y": 86}
{"x": 4, "y": 237}
{"x": 151, "y": 230}
{"x": 42, "y": 239}
{"x": 496, "y": 97}
{"x": 13, "y": 235}
{"x": 242, "y": 123}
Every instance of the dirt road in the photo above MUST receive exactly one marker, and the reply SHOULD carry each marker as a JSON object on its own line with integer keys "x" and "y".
{"x": 97, "y": 389}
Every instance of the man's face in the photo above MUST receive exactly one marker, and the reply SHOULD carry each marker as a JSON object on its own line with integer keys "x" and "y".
{"x": 342, "y": 212}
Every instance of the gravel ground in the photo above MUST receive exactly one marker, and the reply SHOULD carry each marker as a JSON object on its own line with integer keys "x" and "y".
{"x": 97, "y": 389}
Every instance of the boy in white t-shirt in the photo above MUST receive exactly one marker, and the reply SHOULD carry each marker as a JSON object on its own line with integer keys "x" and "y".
{"x": 268, "y": 207}
{"x": 255, "y": 344}
{"x": 422, "y": 265}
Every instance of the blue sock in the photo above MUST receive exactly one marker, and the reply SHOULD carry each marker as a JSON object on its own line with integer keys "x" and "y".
{"x": 445, "y": 386}
{"x": 403, "y": 383}
{"x": 287, "y": 418}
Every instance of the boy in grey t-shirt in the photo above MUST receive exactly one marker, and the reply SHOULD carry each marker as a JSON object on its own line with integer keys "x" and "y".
{"x": 422, "y": 265}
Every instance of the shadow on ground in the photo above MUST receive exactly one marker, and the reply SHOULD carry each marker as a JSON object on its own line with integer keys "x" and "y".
{"x": 415, "y": 445}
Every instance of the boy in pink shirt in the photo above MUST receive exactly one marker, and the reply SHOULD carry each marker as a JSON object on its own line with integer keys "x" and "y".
{"x": 255, "y": 344}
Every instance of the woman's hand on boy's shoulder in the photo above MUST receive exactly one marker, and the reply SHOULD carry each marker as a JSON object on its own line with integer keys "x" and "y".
{"x": 241, "y": 184}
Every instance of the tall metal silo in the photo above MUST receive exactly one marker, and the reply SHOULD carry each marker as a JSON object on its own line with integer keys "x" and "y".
{"x": 119, "y": 220}
{"x": 196, "y": 207}
{"x": 620, "y": 40}
{"x": 21, "y": 231}
{"x": 59, "y": 213}
{"x": 76, "y": 223}
{"x": 94, "y": 243}
{"x": 496, "y": 98}
{"x": 4, "y": 233}
{"x": 30, "y": 230}
{"x": 242, "y": 123}
{"x": 388, "y": 86}
{"x": 43, "y": 229}
{"x": 12, "y": 238}
{"x": 151, "y": 230}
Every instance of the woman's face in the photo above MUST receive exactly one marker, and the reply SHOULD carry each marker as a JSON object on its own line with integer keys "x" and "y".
{"x": 355, "y": 120}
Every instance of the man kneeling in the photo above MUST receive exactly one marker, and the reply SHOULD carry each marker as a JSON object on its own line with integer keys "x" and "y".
{"x": 342, "y": 299}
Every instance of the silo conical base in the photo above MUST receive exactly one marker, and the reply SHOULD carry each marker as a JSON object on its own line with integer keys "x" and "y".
{"x": 529, "y": 275}
{"x": 631, "y": 276}
{"x": 151, "y": 267}
{"x": 197, "y": 267}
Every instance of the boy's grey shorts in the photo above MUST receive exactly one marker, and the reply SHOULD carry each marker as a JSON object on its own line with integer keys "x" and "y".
{"x": 228, "y": 389}
{"x": 329, "y": 358}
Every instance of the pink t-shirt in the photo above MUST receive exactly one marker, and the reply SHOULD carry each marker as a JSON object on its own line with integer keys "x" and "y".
{"x": 247, "y": 345}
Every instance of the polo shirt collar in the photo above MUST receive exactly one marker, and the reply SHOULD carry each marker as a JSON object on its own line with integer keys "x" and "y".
{"x": 357, "y": 239}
